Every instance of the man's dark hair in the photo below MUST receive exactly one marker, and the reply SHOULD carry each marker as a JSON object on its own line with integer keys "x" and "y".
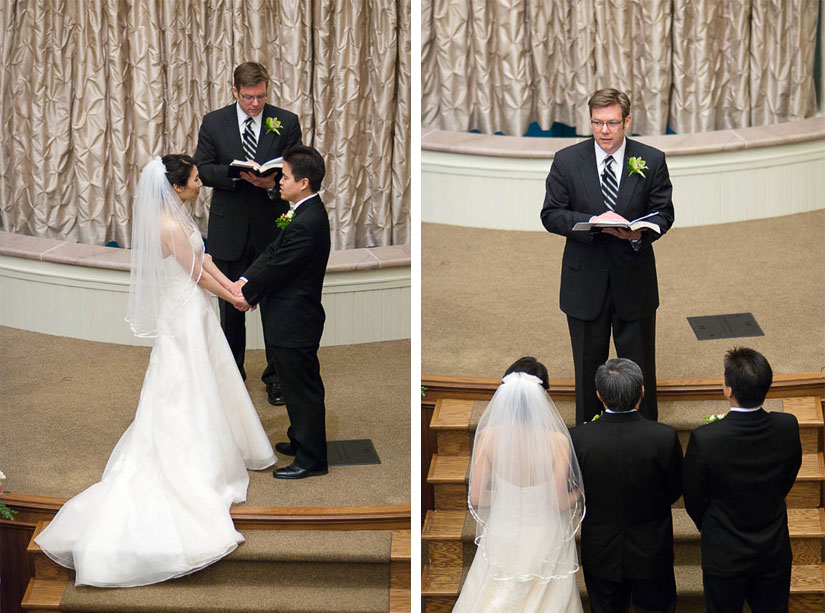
{"x": 306, "y": 163}
{"x": 608, "y": 97}
{"x": 178, "y": 168}
{"x": 619, "y": 383}
{"x": 249, "y": 74}
{"x": 531, "y": 366}
{"x": 748, "y": 375}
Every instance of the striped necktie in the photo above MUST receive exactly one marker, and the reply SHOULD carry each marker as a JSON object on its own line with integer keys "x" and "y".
{"x": 610, "y": 189}
{"x": 250, "y": 143}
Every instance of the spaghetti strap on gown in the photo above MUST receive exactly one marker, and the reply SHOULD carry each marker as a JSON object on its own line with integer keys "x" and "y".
{"x": 161, "y": 509}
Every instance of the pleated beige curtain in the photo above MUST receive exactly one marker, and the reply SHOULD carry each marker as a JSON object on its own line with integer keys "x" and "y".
{"x": 688, "y": 65}
{"x": 92, "y": 89}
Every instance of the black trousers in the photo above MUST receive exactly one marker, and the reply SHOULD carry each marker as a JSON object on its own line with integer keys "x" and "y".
{"x": 648, "y": 595}
{"x": 233, "y": 321}
{"x": 765, "y": 593}
{"x": 303, "y": 391}
{"x": 634, "y": 340}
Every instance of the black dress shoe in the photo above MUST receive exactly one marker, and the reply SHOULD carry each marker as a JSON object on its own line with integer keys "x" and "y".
{"x": 285, "y": 448}
{"x": 296, "y": 472}
{"x": 274, "y": 394}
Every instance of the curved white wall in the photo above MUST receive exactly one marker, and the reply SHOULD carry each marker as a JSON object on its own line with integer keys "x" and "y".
{"x": 366, "y": 305}
{"x": 464, "y": 185}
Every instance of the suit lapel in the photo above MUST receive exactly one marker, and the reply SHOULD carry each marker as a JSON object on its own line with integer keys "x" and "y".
{"x": 590, "y": 174}
{"x": 267, "y": 140}
{"x": 629, "y": 183}
{"x": 233, "y": 133}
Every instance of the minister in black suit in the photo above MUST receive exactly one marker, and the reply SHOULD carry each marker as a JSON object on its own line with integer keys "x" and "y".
{"x": 738, "y": 471}
{"x": 632, "y": 473}
{"x": 608, "y": 278}
{"x": 243, "y": 211}
{"x": 287, "y": 280}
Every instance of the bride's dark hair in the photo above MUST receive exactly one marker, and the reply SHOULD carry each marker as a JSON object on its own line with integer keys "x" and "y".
{"x": 178, "y": 168}
{"x": 531, "y": 366}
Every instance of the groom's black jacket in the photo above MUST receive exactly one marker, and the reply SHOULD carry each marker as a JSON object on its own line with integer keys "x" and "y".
{"x": 632, "y": 472}
{"x": 288, "y": 277}
{"x": 737, "y": 473}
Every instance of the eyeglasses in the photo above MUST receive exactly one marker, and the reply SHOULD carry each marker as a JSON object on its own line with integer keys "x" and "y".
{"x": 612, "y": 125}
{"x": 246, "y": 98}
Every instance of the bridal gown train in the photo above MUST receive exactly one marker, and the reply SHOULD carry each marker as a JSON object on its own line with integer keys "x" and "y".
{"x": 161, "y": 509}
{"x": 514, "y": 546}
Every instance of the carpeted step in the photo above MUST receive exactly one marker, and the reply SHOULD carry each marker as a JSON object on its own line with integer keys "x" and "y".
{"x": 440, "y": 587}
{"x": 288, "y": 571}
{"x": 450, "y": 535}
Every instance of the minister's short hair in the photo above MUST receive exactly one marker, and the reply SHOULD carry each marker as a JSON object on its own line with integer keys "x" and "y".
{"x": 306, "y": 163}
{"x": 749, "y": 376}
{"x": 608, "y": 97}
{"x": 249, "y": 74}
{"x": 619, "y": 382}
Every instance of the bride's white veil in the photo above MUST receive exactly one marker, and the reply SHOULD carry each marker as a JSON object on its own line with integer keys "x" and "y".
{"x": 161, "y": 226}
{"x": 525, "y": 489}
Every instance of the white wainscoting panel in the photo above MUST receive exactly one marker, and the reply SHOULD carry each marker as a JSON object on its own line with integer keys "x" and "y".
{"x": 362, "y": 306}
{"x": 710, "y": 188}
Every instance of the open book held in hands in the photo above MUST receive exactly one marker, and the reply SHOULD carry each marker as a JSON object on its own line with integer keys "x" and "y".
{"x": 636, "y": 224}
{"x": 262, "y": 170}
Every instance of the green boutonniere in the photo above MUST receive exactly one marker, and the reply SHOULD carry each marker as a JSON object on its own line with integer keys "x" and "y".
{"x": 636, "y": 166}
{"x": 709, "y": 419}
{"x": 283, "y": 221}
{"x": 273, "y": 124}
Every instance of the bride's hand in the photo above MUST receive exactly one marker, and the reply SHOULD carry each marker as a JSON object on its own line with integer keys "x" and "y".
{"x": 241, "y": 304}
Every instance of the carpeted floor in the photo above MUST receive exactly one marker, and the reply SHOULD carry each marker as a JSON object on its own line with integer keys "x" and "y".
{"x": 65, "y": 402}
{"x": 491, "y": 296}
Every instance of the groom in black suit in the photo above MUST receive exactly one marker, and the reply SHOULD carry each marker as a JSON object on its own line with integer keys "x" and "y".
{"x": 632, "y": 473}
{"x": 608, "y": 278}
{"x": 287, "y": 280}
{"x": 242, "y": 213}
{"x": 738, "y": 471}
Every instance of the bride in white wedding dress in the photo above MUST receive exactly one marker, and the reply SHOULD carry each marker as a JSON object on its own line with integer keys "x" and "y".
{"x": 161, "y": 509}
{"x": 526, "y": 495}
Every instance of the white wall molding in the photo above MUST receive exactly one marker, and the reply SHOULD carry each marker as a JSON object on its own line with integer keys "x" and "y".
{"x": 709, "y": 187}
{"x": 86, "y": 302}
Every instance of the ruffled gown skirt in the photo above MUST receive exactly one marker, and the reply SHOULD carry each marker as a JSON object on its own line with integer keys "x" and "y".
{"x": 161, "y": 509}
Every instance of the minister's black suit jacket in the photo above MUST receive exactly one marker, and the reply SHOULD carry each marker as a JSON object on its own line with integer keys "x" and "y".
{"x": 239, "y": 210}
{"x": 287, "y": 278}
{"x": 738, "y": 471}
{"x": 632, "y": 473}
{"x": 592, "y": 262}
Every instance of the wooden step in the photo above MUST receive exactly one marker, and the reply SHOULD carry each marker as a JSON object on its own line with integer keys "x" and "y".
{"x": 44, "y": 567}
{"x": 43, "y": 595}
{"x": 806, "y": 492}
{"x": 451, "y": 420}
{"x": 443, "y": 533}
{"x": 400, "y": 561}
{"x": 448, "y": 476}
{"x": 440, "y": 588}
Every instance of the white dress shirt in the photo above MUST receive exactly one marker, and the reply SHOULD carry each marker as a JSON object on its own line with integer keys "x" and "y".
{"x": 618, "y": 160}
{"x": 257, "y": 120}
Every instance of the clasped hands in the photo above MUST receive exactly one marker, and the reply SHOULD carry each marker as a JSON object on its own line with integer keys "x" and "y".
{"x": 630, "y": 235}
{"x": 239, "y": 301}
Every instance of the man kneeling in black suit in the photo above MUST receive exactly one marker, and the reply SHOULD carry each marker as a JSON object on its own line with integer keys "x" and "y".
{"x": 738, "y": 471}
{"x": 632, "y": 472}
